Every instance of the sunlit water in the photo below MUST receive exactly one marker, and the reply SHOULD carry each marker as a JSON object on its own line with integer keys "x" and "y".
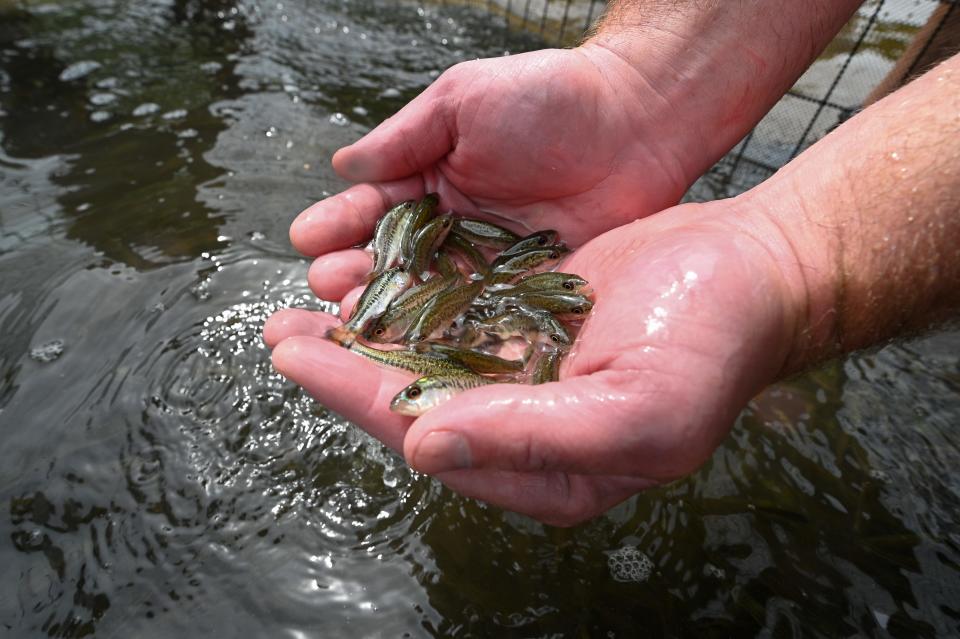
{"x": 159, "y": 479}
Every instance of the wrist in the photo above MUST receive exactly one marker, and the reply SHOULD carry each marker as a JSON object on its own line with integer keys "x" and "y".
{"x": 717, "y": 68}
{"x": 804, "y": 254}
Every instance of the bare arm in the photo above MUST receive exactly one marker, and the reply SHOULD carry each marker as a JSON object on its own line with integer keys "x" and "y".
{"x": 872, "y": 213}
{"x": 720, "y": 65}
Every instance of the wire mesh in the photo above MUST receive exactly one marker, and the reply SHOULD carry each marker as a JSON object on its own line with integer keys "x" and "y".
{"x": 832, "y": 89}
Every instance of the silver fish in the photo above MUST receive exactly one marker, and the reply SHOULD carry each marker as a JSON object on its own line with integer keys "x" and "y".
{"x": 387, "y": 237}
{"x": 373, "y": 302}
{"x": 430, "y": 391}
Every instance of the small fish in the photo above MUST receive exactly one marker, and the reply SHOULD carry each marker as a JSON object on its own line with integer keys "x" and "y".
{"x": 419, "y": 363}
{"x": 387, "y": 237}
{"x": 421, "y": 215}
{"x": 485, "y": 233}
{"x": 540, "y": 239}
{"x": 391, "y": 326}
{"x": 445, "y": 264}
{"x": 563, "y": 305}
{"x": 408, "y": 225}
{"x": 373, "y": 302}
{"x": 442, "y": 311}
{"x": 430, "y": 391}
{"x": 474, "y": 360}
{"x": 547, "y": 368}
{"x": 517, "y": 321}
{"x": 502, "y": 277}
{"x": 468, "y": 251}
{"x": 426, "y": 242}
{"x": 529, "y": 259}
{"x": 548, "y": 282}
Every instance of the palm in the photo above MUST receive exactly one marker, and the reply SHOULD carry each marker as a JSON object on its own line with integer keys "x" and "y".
{"x": 685, "y": 309}
{"x": 540, "y": 140}
{"x": 543, "y": 139}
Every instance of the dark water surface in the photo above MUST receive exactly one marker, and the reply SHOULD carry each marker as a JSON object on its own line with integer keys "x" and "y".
{"x": 158, "y": 479}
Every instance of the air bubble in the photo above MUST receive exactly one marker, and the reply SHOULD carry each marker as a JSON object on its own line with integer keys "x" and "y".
{"x": 339, "y": 119}
{"x": 147, "y": 108}
{"x": 78, "y": 70}
{"x": 48, "y": 352}
{"x": 629, "y": 564}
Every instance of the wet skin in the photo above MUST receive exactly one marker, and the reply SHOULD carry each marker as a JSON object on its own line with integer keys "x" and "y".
{"x": 660, "y": 370}
{"x": 516, "y": 155}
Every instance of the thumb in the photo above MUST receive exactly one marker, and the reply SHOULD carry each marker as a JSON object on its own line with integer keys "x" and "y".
{"x": 604, "y": 424}
{"x": 410, "y": 141}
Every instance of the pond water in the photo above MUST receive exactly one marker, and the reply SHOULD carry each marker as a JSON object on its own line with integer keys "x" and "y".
{"x": 158, "y": 479}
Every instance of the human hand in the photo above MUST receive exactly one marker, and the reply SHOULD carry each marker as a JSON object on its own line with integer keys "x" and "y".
{"x": 572, "y": 140}
{"x": 692, "y": 317}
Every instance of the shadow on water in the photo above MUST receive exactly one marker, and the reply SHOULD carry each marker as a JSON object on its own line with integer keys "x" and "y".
{"x": 788, "y": 514}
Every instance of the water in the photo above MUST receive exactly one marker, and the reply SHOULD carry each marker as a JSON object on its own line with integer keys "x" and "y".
{"x": 158, "y": 479}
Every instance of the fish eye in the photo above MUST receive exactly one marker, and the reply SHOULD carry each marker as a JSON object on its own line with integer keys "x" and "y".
{"x": 568, "y": 285}
{"x": 554, "y": 255}
{"x": 541, "y": 240}
{"x": 578, "y": 310}
{"x": 555, "y": 337}
{"x": 379, "y": 331}
{"x": 414, "y": 392}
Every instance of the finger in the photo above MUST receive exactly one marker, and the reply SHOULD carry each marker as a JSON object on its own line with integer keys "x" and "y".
{"x": 349, "y": 301}
{"x": 332, "y": 275}
{"x": 412, "y": 140}
{"x": 605, "y": 423}
{"x": 346, "y": 383}
{"x": 288, "y": 322}
{"x": 347, "y": 219}
{"x": 554, "y": 498}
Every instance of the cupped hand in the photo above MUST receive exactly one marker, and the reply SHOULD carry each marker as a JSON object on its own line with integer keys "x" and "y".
{"x": 692, "y": 317}
{"x": 575, "y": 140}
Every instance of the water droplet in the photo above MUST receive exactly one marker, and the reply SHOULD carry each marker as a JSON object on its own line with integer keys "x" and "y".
{"x": 339, "y": 119}
{"x": 359, "y": 110}
{"x": 188, "y": 133}
{"x": 895, "y": 156}
{"x": 100, "y": 116}
{"x": 146, "y": 108}
{"x": 210, "y": 67}
{"x": 176, "y": 114}
{"x": 390, "y": 93}
{"x": 100, "y": 99}
{"x": 48, "y": 352}
{"x": 78, "y": 70}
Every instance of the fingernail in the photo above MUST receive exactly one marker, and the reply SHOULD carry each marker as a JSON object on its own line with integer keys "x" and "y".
{"x": 441, "y": 451}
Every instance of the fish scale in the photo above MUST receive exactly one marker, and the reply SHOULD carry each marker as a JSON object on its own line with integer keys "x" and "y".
{"x": 441, "y": 312}
{"x": 402, "y": 312}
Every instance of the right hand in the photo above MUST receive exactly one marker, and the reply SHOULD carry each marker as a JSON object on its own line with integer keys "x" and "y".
{"x": 696, "y": 310}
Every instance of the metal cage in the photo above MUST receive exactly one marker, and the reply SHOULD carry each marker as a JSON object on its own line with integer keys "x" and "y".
{"x": 884, "y": 44}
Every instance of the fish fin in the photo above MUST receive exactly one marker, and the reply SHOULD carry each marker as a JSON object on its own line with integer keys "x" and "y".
{"x": 341, "y": 336}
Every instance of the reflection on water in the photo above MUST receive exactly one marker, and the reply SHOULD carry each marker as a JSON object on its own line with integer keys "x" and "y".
{"x": 160, "y": 479}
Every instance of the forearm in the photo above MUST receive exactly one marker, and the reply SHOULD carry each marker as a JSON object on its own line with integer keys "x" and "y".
{"x": 720, "y": 66}
{"x": 869, "y": 221}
